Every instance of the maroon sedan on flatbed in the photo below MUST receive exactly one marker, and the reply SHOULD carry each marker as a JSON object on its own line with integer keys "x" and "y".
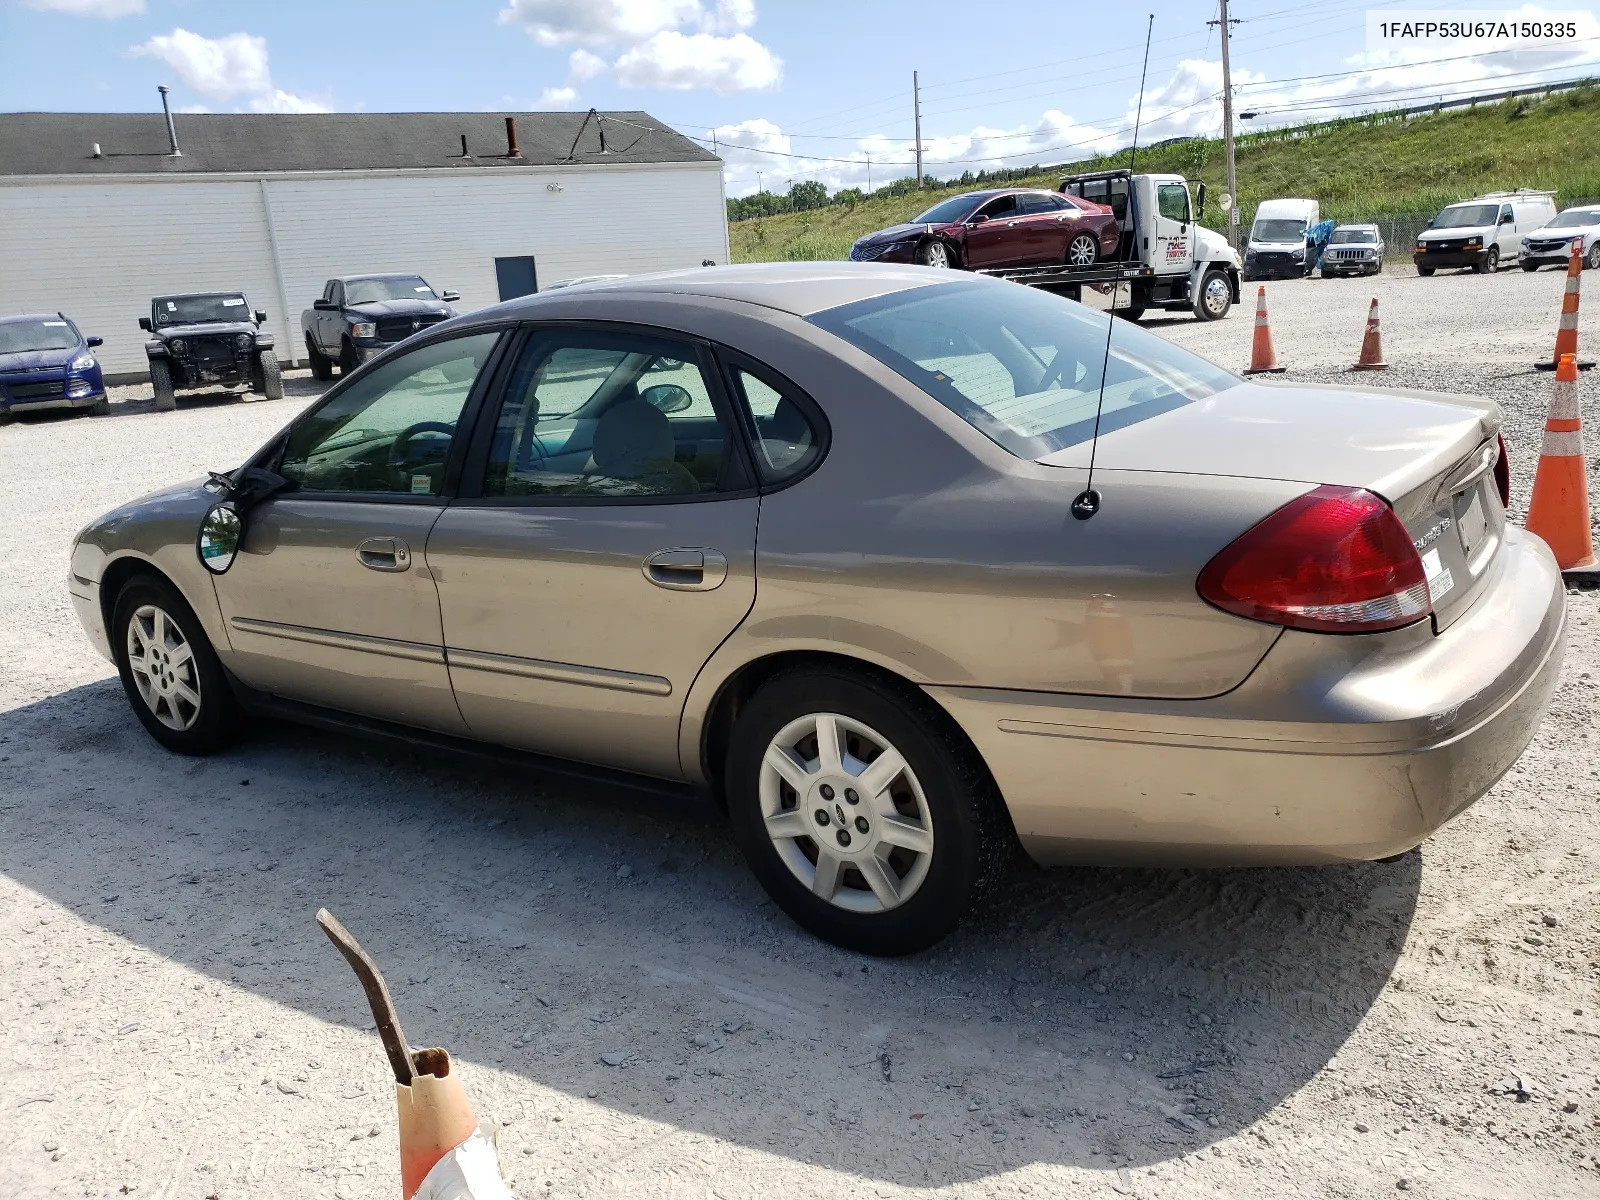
{"x": 1009, "y": 227}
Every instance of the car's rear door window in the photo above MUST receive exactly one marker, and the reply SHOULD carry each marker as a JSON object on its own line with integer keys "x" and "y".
{"x": 1024, "y": 367}
{"x": 790, "y": 433}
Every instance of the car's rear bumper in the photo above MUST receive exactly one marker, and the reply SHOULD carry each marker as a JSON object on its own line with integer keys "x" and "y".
{"x": 1335, "y": 749}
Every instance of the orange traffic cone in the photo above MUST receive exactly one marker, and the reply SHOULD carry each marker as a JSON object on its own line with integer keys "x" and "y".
{"x": 443, "y": 1153}
{"x": 1567, "y": 330}
{"x": 1371, "y": 345}
{"x": 1263, "y": 360}
{"x": 1559, "y": 509}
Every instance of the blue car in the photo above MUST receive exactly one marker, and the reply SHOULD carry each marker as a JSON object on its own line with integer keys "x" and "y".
{"x": 46, "y": 363}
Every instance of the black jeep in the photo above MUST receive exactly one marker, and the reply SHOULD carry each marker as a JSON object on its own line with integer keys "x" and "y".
{"x": 208, "y": 338}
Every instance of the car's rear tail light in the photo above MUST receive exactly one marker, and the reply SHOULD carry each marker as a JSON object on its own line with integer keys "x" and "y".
{"x": 1336, "y": 560}
{"x": 1502, "y": 473}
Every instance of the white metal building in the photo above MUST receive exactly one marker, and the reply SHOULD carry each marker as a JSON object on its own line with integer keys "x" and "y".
{"x": 97, "y": 215}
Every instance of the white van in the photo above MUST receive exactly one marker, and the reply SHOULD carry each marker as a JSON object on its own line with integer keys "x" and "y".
{"x": 1484, "y": 232}
{"x": 1277, "y": 245}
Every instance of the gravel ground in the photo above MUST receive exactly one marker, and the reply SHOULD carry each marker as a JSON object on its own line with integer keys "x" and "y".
{"x": 174, "y": 1025}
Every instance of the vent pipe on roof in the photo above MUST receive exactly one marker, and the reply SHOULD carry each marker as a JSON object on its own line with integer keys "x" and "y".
{"x": 97, "y": 153}
{"x": 511, "y": 138}
{"x": 172, "y": 132}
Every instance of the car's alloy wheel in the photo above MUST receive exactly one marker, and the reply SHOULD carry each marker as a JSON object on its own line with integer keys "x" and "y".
{"x": 846, "y": 813}
{"x": 935, "y": 254}
{"x": 862, "y": 809}
{"x": 163, "y": 667}
{"x": 1592, "y": 260}
{"x": 1083, "y": 251}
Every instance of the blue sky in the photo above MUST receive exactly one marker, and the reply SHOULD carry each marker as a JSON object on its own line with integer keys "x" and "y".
{"x": 791, "y": 88}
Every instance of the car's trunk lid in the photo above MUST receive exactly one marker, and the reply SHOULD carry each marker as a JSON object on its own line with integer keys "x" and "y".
{"x": 1430, "y": 455}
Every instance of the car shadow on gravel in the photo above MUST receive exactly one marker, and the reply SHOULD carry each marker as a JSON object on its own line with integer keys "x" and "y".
{"x": 1098, "y": 1018}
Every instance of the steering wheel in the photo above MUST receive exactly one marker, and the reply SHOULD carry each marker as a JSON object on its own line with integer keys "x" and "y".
{"x": 400, "y": 449}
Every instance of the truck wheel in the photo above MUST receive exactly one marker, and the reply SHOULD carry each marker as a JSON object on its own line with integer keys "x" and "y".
{"x": 349, "y": 360}
{"x": 1215, "y": 297}
{"x": 270, "y": 375}
{"x": 1129, "y": 314}
{"x": 1425, "y": 271}
{"x": 161, "y": 382}
{"x": 1490, "y": 263}
{"x": 321, "y": 364}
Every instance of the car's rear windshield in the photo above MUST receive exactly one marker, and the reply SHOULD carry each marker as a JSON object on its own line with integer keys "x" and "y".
{"x": 1576, "y": 218}
{"x": 1467, "y": 216}
{"x": 1022, "y": 366}
{"x": 1354, "y": 235}
{"x": 47, "y": 333}
{"x": 398, "y": 287}
{"x": 1274, "y": 230}
{"x": 196, "y": 310}
{"x": 953, "y": 209}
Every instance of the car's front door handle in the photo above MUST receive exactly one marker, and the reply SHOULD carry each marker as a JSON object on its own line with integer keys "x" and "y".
{"x": 687, "y": 569}
{"x": 384, "y": 554}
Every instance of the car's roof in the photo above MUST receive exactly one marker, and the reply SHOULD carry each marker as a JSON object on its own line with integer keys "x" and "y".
{"x": 18, "y": 318}
{"x": 1336, "y": 228}
{"x": 1592, "y": 210}
{"x": 382, "y": 275}
{"x": 798, "y": 288}
{"x": 197, "y": 295}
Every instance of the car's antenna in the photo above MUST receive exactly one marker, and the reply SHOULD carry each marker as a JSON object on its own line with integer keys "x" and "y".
{"x": 1087, "y": 502}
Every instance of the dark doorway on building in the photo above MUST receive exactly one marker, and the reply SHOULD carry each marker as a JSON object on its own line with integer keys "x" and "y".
{"x": 516, "y": 276}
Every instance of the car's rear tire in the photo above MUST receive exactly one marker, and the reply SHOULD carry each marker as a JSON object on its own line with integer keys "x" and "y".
{"x": 321, "y": 364}
{"x": 161, "y": 384}
{"x": 269, "y": 375}
{"x": 349, "y": 359}
{"x": 1215, "y": 297}
{"x": 884, "y": 861}
{"x": 1083, "y": 251}
{"x": 169, "y": 671}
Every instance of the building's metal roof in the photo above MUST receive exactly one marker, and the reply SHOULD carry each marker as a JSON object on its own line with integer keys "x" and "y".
{"x": 254, "y": 143}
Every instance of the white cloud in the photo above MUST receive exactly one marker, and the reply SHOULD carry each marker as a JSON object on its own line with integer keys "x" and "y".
{"x": 700, "y": 60}
{"x": 583, "y": 66}
{"x": 730, "y": 16}
{"x": 598, "y": 22}
{"x": 558, "y": 97}
{"x": 225, "y": 67}
{"x": 109, "y": 9}
{"x": 217, "y": 67}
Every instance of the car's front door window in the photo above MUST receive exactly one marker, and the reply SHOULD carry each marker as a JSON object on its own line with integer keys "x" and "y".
{"x": 391, "y": 430}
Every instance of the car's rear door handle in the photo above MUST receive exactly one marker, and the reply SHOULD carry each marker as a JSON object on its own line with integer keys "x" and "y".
{"x": 384, "y": 554}
{"x": 687, "y": 569}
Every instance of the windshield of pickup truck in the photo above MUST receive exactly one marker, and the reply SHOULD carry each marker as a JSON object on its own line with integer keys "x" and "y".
{"x": 953, "y": 209}
{"x": 395, "y": 287}
{"x": 1278, "y": 231}
{"x": 47, "y": 333}
{"x": 1345, "y": 236}
{"x": 1576, "y": 218}
{"x": 1467, "y": 216}
{"x": 196, "y": 310}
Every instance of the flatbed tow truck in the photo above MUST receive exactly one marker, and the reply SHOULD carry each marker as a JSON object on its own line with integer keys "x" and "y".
{"x": 1166, "y": 259}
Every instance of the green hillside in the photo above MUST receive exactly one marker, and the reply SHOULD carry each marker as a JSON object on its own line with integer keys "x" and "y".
{"x": 1361, "y": 169}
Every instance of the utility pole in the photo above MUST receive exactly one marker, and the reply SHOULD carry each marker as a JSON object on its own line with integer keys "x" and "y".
{"x": 1227, "y": 123}
{"x": 916, "y": 113}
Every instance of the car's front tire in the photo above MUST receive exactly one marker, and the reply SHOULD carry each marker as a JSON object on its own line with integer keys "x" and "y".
{"x": 1592, "y": 259}
{"x": 169, "y": 671}
{"x": 349, "y": 358}
{"x": 865, "y": 815}
{"x": 269, "y": 375}
{"x": 934, "y": 253}
{"x": 161, "y": 384}
{"x": 1531, "y": 264}
{"x": 1425, "y": 271}
{"x": 1489, "y": 263}
{"x": 321, "y": 364}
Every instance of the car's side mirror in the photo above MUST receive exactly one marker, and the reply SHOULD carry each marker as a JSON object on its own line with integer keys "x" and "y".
{"x": 261, "y": 317}
{"x": 94, "y": 341}
{"x": 144, "y": 324}
{"x": 977, "y": 219}
{"x": 221, "y": 532}
{"x": 1506, "y": 219}
{"x": 450, "y": 297}
{"x": 1200, "y": 202}
{"x": 324, "y": 306}
{"x": 668, "y": 397}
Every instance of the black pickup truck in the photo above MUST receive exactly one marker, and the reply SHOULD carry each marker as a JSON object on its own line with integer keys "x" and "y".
{"x": 362, "y": 315}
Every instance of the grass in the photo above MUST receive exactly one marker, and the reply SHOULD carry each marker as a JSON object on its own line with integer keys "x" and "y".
{"x": 1358, "y": 170}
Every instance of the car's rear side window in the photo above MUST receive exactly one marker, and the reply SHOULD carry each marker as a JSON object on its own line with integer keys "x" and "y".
{"x": 1023, "y": 367}
{"x": 789, "y": 434}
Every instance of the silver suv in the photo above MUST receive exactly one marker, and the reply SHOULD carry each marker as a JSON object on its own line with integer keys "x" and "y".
{"x": 1353, "y": 250}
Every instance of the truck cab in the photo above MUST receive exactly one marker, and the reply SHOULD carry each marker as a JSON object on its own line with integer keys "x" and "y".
{"x": 1170, "y": 260}
{"x": 1277, "y": 247}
